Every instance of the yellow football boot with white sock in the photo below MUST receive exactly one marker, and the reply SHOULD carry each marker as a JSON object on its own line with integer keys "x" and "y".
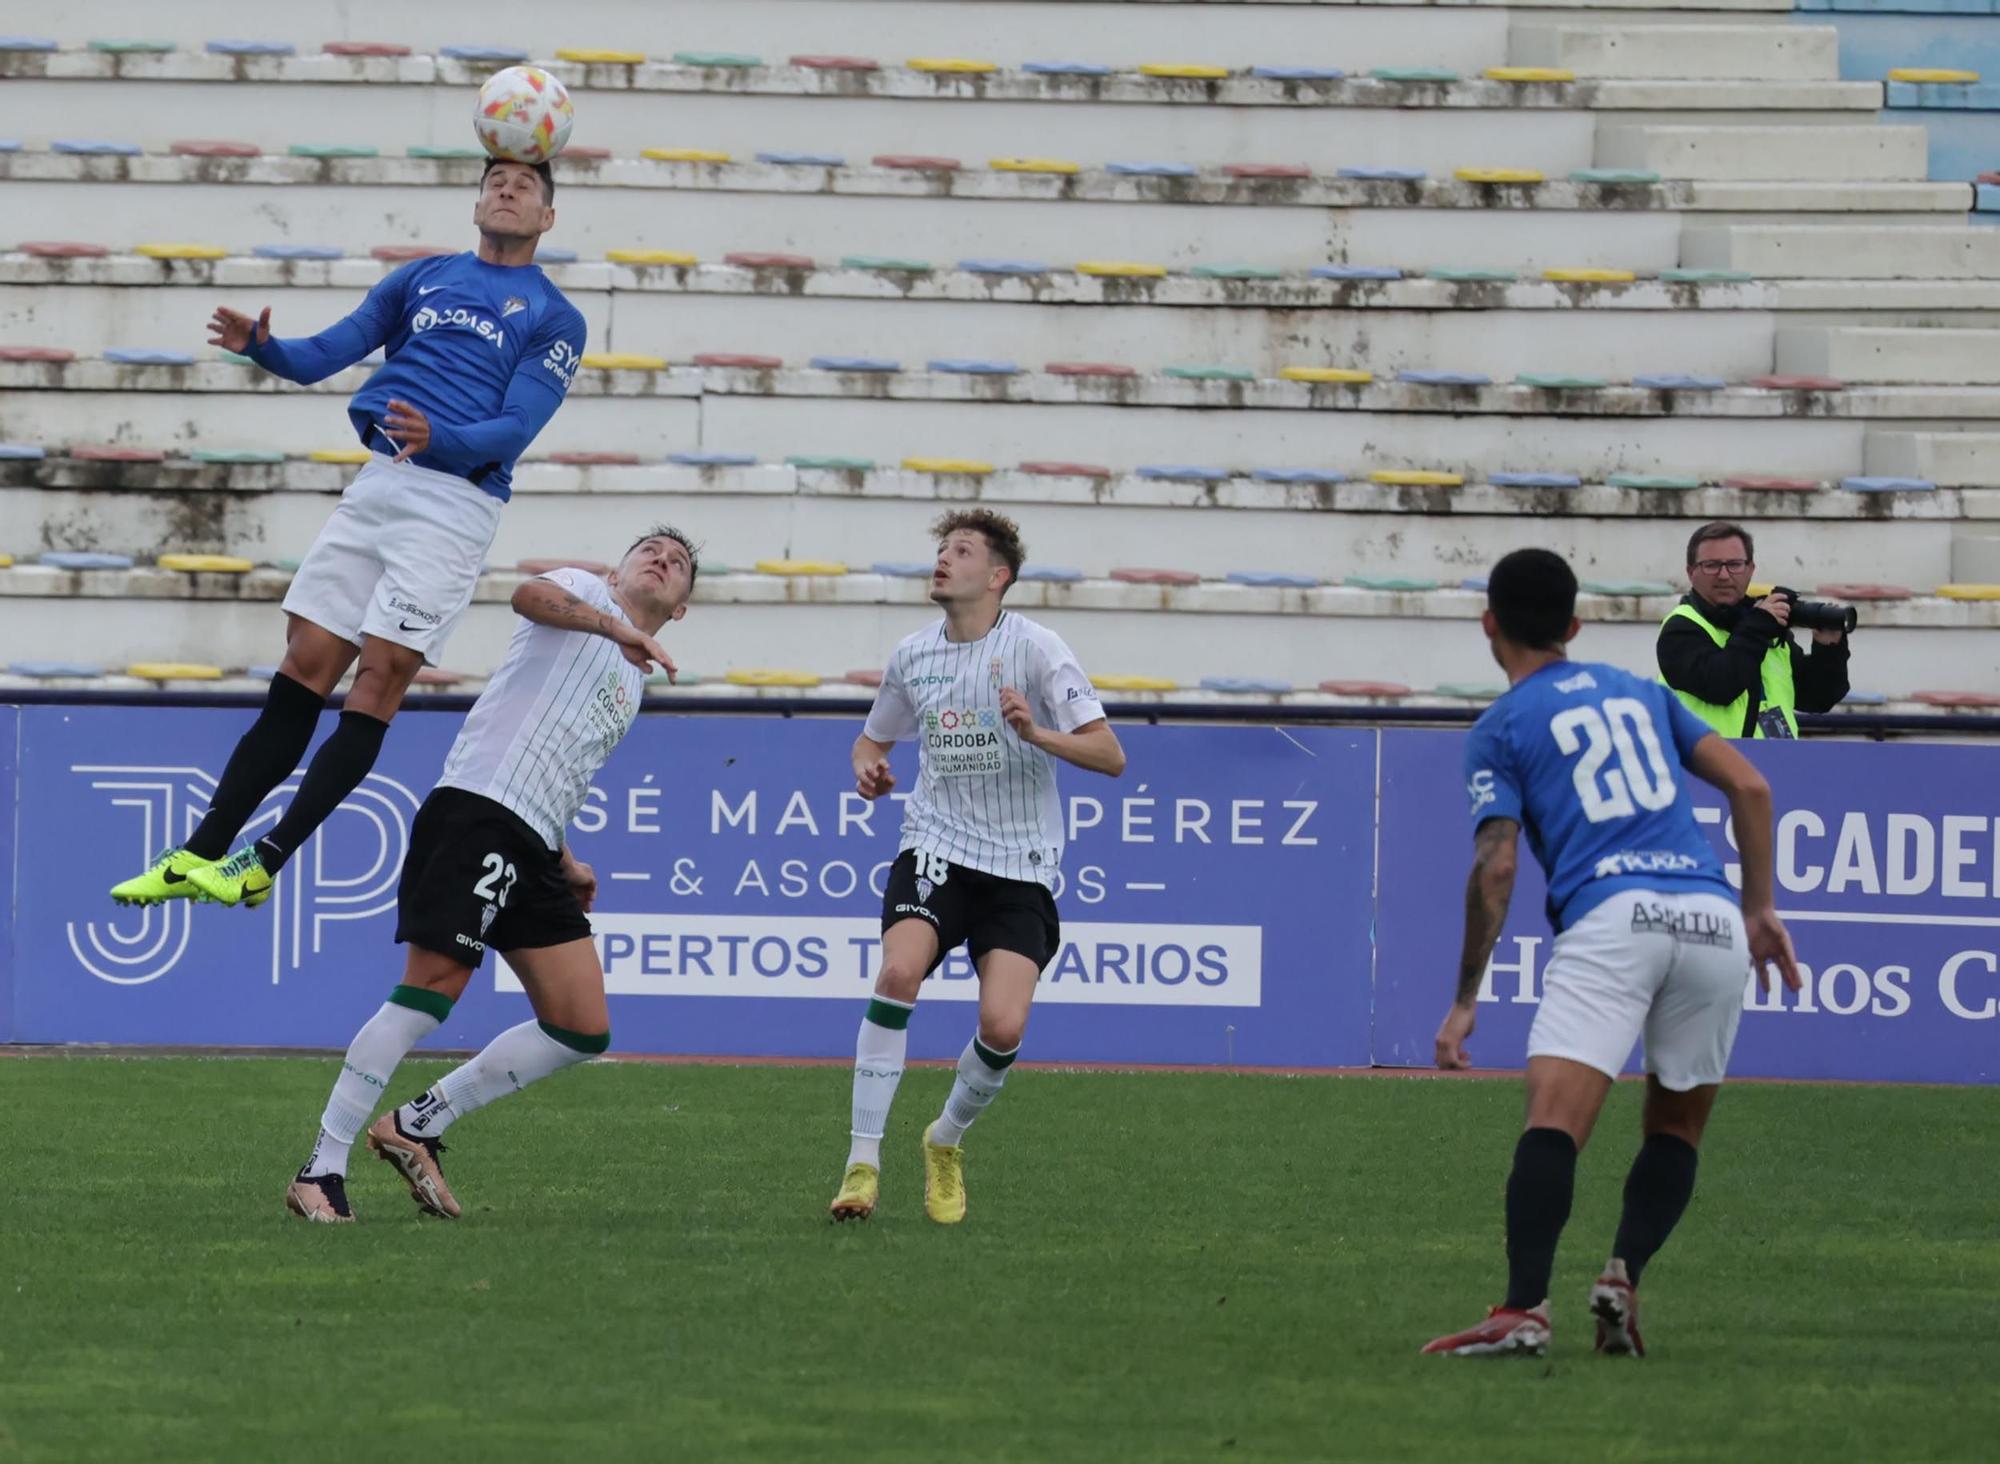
{"x": 944, "y": 1181}
{"x": 860, "y": 1187}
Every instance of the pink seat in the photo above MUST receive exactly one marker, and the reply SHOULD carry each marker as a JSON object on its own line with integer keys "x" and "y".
{"x": 209, "y": 148}
{"x": 917, "y": 162}
{"x": 1088, "y": 368}
{"x": 438, "y": 676}
{"x": 364, "y": 48}
{"x": 1864, "y": 592}
{"x": 403, "y": 253}
{"x": 585, "y": 154}
{"x": 1798, "y": 383}
{"x": 1956, "y": 698}
{"x": 36, "y": 353}
{"x": 740, "y": 360}
{"x": 1760, "y": 480}
{"x": 1266, "y": 170}
{"x": 110, "y": 453}
{"x": 1066, "y": 470}
{"x": 1156, "y": 576}
{"x": 595, "y": 459}
{"x": 863, "y": 678}
{"x": 760, "y": 259}
{"x": 63, "y": 249}
{"x": 543, "y": 566}
{"x": 1364, "y": 688}
{"x": 837, "y": 63}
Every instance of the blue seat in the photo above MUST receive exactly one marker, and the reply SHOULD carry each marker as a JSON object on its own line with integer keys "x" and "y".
{"x": 1065, "y": 68}
{"x": 1298, "y": 475}
{"x": 60, "y": 559}
{"x": 28, "y": 43}
{"x": 506, "y": 55}
{"x": 1003, "y": 266}
{"x": 1534, "y": 480}
{"x": 90, "y": 148}
{"x": 1052, "y": 573}
{"x": 1246, "y": 685}
{"x": 713, "y": 459}
{"x": 252, "y": 48}
{"x": 1271, "y": 579}
{"x": 904, "y": 568}
{"x": 1888, "y": 485}
{"x": 803, "y": 159}
{"x": 1185, "y": 472}
{"x": 1356, "y": 272}
{"x": 546, "y": 255}
{"x": 21, "y": 452}
{"x": 1152, "y": 170}
{"x": 299, "y": 251}
{"x": 1445, "y": 378}
{"x": 9, "y": 144}
{"x": 1383, "y": 175}
{"x": 854, "y": 363}
{"x": 132, "y": 356}
{"x": 1474, "y": 582}
{"x": 972, "y": 366}
{"x": 1864, "y": 699}
{"x": 1298, "y": 73}
{"x": 261, "y": 673}
{"x": 50, "y": 670}
{"x": 1679, "y": 381}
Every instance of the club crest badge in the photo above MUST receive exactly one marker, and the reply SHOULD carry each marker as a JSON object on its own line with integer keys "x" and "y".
{"x": 514, "y": 306}
{"x": 924, "y": 888}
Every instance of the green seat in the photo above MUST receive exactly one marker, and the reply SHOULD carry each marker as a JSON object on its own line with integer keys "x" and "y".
{"x": 1212, "y": 373}
{"x": 1628, "y": 587}
{"x": 1652, "y": 480}
{"x": 886, "y": 262}
{"x": 1706, "y": 276}
{"x": 715, "y": 58}
{"x": 1613, "y": 175}
{"x": 1387, "y": 582}
{"x": 331, "y": 150}
{"x": 235, "y": 455}
{"x": 834, "y": 462}
{"x": 1235, "y": 272}
{"x": 421, "y": 151}
{"x": 1489, "y": 276}
{"x": 1556, "y": 382}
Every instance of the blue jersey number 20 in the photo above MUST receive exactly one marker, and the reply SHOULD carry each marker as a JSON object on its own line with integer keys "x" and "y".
{"x": 1622, "y": 726}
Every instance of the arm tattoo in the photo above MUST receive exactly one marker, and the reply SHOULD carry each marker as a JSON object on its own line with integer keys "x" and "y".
{"x": 1487, "y": 893}
{"x": 548, "y": 603}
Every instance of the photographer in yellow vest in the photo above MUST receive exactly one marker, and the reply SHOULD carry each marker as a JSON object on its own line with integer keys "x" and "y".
{"x": 1734, "y": 662}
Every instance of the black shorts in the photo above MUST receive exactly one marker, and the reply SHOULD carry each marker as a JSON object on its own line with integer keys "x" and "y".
{"x": 477, "y": 875}
{"x": 984, "y": 912}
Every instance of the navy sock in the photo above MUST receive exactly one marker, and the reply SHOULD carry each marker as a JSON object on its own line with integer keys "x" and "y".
{"x": 1538, "y": 1197}
{"x": 1657, "y": 1191}
{"x": 264, "y": 756}
{"x": 335, "y": 771}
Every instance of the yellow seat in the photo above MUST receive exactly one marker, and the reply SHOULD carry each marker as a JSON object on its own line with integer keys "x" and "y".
{"x": 1968, "y": 592}
{"x": 1133, "y": 683}
{"x": 6, "y": 561}
{"x": 650, "y": 256}
{"x": 206, "y": 563}
{"x": 1416, "y": 478}
{"x": 1933, "y": 75}
{"x": 946, "y": 465}
{"x": 340, "y": 455}
{"x": 173, "y": 671}
{"x": 600, "y": 58}
{"x": 181, "y": 251}
{"x": 1529, "y": 73}
{"x": 622, "y": 361}
{"x": 955, "y": 65}
{"x": 800, "y": 566}
{"x": 1590, "y": 276}
{"x": 684, "y": 155}
{"x": 1327, "y": 373}
{"x": 763, "y": 676}
{"x": 1184, "y": 72}
{"x": 1129, "y": 269}
{"x": 1498, "y": 175}
{"x": 1034, "y": 165}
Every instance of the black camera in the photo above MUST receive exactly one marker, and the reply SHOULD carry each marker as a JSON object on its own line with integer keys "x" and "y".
{"x": 1818, "y": 614}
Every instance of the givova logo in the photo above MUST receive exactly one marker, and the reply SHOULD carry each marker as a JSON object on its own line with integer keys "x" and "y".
{"x": 346, "y": 871}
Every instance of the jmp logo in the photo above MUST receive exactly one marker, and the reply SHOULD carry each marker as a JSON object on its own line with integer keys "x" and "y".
{"x": 346, "y": 871}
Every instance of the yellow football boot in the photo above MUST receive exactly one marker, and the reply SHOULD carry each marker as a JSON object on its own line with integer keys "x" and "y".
{"x": 860, "y": 1187}
{"x": 241, "y": 879}
{"x": 165, "y": 879}
{"x": 944, "y": 1181}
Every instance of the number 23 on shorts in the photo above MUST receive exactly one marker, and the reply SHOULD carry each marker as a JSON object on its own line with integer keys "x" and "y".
{"x": 498, "y": 881}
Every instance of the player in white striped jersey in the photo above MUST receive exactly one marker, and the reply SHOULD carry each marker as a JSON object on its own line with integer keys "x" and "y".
{"x": 489, "y": 866}
{"x": 994, "y": 700}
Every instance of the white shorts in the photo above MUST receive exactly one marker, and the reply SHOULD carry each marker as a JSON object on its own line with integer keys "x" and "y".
{"x": 399, "y": 558}
{"x": 1673, "y": 967}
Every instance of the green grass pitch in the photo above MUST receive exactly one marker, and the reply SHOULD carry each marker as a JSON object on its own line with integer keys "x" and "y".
{"x": 1156, "y": 1266}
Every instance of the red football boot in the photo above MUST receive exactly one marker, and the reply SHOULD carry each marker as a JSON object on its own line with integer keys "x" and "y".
{"x": 1504, "y": 1333}
{"x": 1614, "y": 1301}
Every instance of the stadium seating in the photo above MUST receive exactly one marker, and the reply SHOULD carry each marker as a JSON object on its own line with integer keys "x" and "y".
{"x": 1318, "y": 309}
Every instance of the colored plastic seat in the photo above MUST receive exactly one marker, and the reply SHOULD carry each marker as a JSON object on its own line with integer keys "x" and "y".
{"x": 504, "y": 55}
{"x": 1134, "y": 575}
{"x": 1470, "y": 691}
{"x": 868, "y": 676}
{"x": 1590, "y": 276}
{"x": 803, "y": 159}
{"x": 331, "y": 150}
{"x": 1090, "y": 368}
{"x": 903, "y": 568}
{"x": 728, "y": 60}
{"x": 1183, "y": 71}
{"x": 1627, "y": 587}
{"x": 588, "y": 57}
{"x": 1003, "y": 266}
{"x": 83, "y": 559}
{"x": 205, "y": 563}
{"x": 62, "y": 249}
{"x": 95, "y": 148}
{"x": 22, "y": 452}
{"x": 1869, "y": 592}
{"x": 112, "y": 453}
{"x": 404, "y": 253}
{"x": 801, "y": 567}
{"x": 1887, "y": 485}
{"x": 546, "y": 255}
{"x": 1707, "y": 276}
{"x": 545, "y": 565}
{"x": 1529, "y": 75}
{"x": 1933, "y": 76}
{"x": 971, "y": 366}
{"x": 298, "y": 251}
{"x": 1416, "y": 478}
{"x": 173, "y": 671}
{"x": 1472, "y": 275}
{"x": 1967, "y": 592}
{"x": 53, "y": 355}
{"x": 622, "y": 361}
{"x": 712, "y": 459}
{"x": 1553, "y": 381}
{"x": 1151, "y": 170}
{"x": 971, "y": 467}
{"x": 1679, "y": 381}
{"x": 669, "y": 257}
{"x": 180, "y": 251}
{"x": 1445, "y": 378}
{"x": 56, "y": 670}
{"x": 1236, "y": 272}
{"x": 191, "y": 147}
{"x": 252, "y": 48}
{"x": 951, "y": 65}
{"x": 1382, "y": 175}
{"x": 1475, "y": 582}
{"x": 1356, "y": 272}
{"x": 1051, "y": 573}
{"x": 1967, "y": 700}
{"x": 1399, "y": 584}
{"x": 134, "y": 356}
{"x": 1613, "y": 177}
{"x": 1210, "y": 373}
{"x": 1065, "y": 68}
{"x": 340, "y": 455}
{"x": 761, "y": 676}
{"x": 767, "y": 259}
{"x": 1034, "y": 165}
{"x": 365, "y": 48}
{"x": 876, "y": 364}
{"x": 236, "y": 456}
{"x": 1246, "y": 685}
{"x": 1534, "y": 480}
{"x": 439, "y": 676}
{"x": 1298, "y": 73}
{"x": 595, "y": 459}
{"x": 1499, "y": 175}
{"x": 28, "y": 43}
{"x": 684, "y": 155}
{"x": 575, "y": 154}
{"x": 1266, "y": 170}
{"x": 1272, "y": 579}
{"x": 1134, "y": 683}
{"x": 886, "y": 264}
{"x": 1864, "y": 699}
{"x": 444, "y": 154}
{"x": 1183, "y": 472}
{"x": 1121, "y": 269}
{"x": 831, "y": 462}
{"x": 836, "y": 63}
{"x": 738, "y": 361}
{"x": 1798, "y": 383}
{"x": 132, "y": 47}
{"x": 1056, "y": 469}
{"x": 1413, "y": 73}
{"x": 1383, "y": 690}
{"x": 1298, "y": 475}
{"x": 917, "y": 162}
{"x": 1766, "y": 482}
{"x": 1656, "y": 482}
{"x": 1324, "y": 375}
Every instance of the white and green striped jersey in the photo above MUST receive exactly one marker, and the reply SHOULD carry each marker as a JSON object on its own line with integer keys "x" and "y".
{"x": 549, "y": 718}
{"x": 984, "y": 799}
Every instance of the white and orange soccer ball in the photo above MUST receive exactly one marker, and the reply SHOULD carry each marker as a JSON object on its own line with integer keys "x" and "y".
{"x": 524, "y": 115}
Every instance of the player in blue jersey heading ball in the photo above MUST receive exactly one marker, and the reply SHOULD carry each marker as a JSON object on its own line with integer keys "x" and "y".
{"x": 480, "y": 349}
{"x": 1651, "y": 940}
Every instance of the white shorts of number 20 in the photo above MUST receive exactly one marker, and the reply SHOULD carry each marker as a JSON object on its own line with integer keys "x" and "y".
{"x": 398, "y": 559}
{"x": 1672, "y": 968}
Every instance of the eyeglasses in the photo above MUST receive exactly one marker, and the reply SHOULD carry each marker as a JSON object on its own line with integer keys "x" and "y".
{"x": 1719, "y": 566}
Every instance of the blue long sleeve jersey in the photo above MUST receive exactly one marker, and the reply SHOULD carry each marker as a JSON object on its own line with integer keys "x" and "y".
{"x": 487, "y": 352}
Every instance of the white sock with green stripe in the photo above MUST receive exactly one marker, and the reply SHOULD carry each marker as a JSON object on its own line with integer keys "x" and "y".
{"x": 981, "y": 1071}
{"x": 517, "y": 1057}
{"x": 879, "y": 1051}
{"x": 409, "y": 1015}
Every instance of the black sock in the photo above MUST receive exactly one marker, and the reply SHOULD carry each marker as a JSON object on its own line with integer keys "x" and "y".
{"x": 1538, "y": 1196}
{"x": 1657, "y": 1190}
{"x": 335, "y": 771}
{"x": 265, "y": 755}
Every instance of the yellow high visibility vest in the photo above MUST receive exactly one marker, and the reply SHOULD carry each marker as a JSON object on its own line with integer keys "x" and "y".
{"x": 1727, "y": 718}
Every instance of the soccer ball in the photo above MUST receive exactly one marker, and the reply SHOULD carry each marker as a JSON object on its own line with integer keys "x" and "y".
{"x": 524, "y": 115}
